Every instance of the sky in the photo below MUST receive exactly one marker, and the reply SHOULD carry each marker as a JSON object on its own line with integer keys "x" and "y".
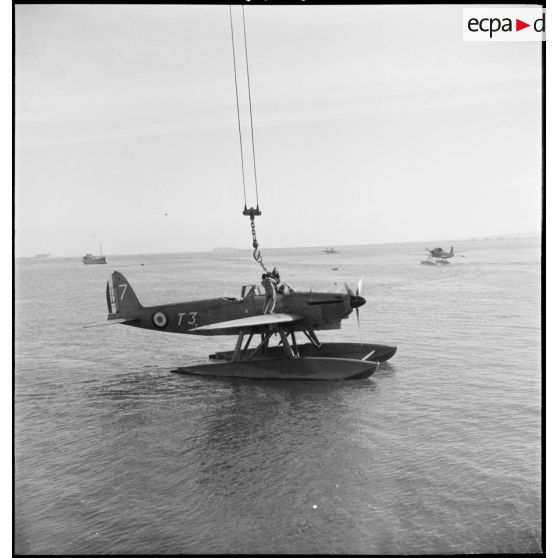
{"x": 372, "y": 124}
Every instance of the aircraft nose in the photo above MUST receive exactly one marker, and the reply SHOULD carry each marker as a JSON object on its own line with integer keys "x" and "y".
{"x": 357, "y": 301}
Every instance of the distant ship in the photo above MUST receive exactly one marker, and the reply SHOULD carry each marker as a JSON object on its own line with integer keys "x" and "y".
{"x": 91, "y": 259}
{"x": 33, "y": 258}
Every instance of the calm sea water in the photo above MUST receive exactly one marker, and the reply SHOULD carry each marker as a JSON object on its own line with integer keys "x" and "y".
{"x": 438, "y": 452}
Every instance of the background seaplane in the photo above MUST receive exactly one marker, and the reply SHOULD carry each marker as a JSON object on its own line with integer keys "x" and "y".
{"x": 294, "y": 312}
{"x": 437, "y": 256}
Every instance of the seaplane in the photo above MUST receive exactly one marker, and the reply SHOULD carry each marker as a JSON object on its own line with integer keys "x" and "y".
{"x": 330, "y": 251}
{"x": 437, "y": 256}
{"x": 275, "y": 352}
{"x": 294, "y": 313}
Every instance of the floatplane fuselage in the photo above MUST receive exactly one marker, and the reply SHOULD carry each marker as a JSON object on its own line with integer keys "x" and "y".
{"x": 294, "y": 312}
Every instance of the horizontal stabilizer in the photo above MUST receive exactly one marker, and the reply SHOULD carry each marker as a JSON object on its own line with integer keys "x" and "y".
{"x": 111, "y": 322}
{"x": 252, "y": 321}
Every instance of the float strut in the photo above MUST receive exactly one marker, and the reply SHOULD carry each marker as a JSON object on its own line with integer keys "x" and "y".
{"x": 312, "y": 337}
{"x": 246, "y": 346}
{"x": 236, "y": 352}
{"x": 265, "y": 339}
{"x": 286, "y": 345}
{"x": 295, "y": 346}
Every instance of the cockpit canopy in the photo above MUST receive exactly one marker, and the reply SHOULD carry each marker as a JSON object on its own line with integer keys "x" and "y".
{"x": 255, "y": 290}
{"x": 250, "y": 290}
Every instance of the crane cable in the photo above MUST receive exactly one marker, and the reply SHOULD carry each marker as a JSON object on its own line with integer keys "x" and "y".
{"x": 252, "y": 212}
{"x": 250, "y": 106}
{"x": 237, "y": 108}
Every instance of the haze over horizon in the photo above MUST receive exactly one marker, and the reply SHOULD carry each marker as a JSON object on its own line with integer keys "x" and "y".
{"x": 512, "y": 236}
{"x": 126, "y": 130}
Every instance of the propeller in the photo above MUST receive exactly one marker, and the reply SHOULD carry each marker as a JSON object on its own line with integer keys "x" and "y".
{"x": 356, "y": 301}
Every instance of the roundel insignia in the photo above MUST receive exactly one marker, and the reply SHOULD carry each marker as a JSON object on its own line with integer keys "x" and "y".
{"x": 160, "y": 319}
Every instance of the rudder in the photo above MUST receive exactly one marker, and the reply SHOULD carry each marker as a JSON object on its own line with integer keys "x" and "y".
{"x": 121, "y": 298}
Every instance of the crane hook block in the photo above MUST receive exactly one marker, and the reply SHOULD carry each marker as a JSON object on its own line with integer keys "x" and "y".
{"x": 252, "y": 212}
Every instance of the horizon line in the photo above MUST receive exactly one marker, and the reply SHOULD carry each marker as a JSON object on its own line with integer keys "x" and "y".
{"x": 506, "y": 236}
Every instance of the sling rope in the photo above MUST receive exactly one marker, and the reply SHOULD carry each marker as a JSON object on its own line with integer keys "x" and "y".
{"x": 250, "y": 105}
{"x": 252, "y": 212}
{"x": 237, "y": 108}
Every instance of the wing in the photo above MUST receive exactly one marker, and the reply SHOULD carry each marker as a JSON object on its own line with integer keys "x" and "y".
{"x": 247, "y": 323}
{"x": 112, "y": 322}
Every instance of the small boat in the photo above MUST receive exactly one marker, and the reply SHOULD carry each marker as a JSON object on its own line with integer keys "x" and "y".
{"x": 91, "y": 259}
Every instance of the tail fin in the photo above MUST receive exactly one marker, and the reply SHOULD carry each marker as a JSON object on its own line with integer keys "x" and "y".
{"x": 451, "y": 251}
{"x": 121, "y": 298}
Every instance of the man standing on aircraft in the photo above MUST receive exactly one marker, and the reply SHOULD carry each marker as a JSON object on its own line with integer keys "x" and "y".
{"x": 275, "y": 275}
{"x": 269, "y": 284}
